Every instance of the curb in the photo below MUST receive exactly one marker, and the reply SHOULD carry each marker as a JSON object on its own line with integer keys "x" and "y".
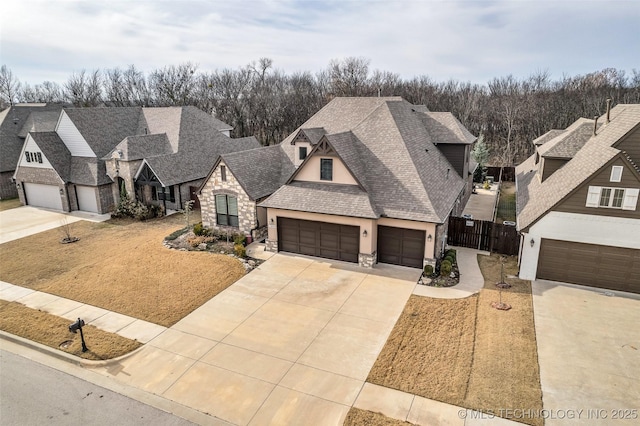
{"x": 64, "y": 356}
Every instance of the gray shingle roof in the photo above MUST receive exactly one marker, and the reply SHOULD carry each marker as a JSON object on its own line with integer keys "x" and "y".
{"x": 55, "y": 151}
{"x": 343, "y": 200}
{"x": 12, "y": 123}
{"x": 40, "y": 121}
{"x": 387, "y": 146}
{"x": 445, "y": 128}
{"x": 547, "y": 137}
{"x": 569, "y": 142}
{"x": 141, "y": 146}
{"x": 260, "y": 171}
{"x": 535, "y": 198}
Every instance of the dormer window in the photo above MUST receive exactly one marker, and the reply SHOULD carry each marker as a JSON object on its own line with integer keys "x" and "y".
{"x": 33, "y": 157}
{"x": 616, "y": 174}
{"x": 326, "y": 169}
{"x": 302, "y": 152}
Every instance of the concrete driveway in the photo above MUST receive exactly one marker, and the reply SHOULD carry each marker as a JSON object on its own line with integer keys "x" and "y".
{"x": 26, "y": 220}
{"x": 589, "y": 352}
{"x": 290, "y": 343}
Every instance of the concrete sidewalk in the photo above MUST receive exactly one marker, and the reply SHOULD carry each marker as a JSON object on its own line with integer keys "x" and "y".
{"x": 129, "y": 327}
{"x": 471, "y": 279}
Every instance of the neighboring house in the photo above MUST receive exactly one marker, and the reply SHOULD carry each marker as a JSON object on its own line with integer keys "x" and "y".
{"x": 364, "y": 180}
{"x": 238, "y": 181}
{"x": 15, "y": 122}
{"x": 160, "y": 155}
{"x": 577, "y": 203}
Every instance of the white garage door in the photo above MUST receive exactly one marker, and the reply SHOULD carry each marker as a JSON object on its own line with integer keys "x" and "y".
{"x": 87, "y": 200}
{"x": 47, "y": 196}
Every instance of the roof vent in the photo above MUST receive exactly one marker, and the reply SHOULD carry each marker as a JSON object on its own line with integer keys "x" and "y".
{"x": 608, "y": 111}
{"x": 595, "y": 125}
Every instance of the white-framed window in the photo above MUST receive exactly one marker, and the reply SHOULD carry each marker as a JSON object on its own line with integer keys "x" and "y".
{"x": 616, "y": 174}
{"x": 612, "y": 198}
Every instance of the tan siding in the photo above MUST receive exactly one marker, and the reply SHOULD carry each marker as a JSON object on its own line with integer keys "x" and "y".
{"x": 550, "y": 166}
{"x": 631, "y": 145}
{"x": 575, "y": 203}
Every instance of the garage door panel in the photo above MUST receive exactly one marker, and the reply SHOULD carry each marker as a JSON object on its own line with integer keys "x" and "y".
{"x": 87, "y": 199}
{"x": 614, "y": 268}
{"x": 319, "y": 239}
{"x": 401, "y": 246}
{"x": 39, "y": 195}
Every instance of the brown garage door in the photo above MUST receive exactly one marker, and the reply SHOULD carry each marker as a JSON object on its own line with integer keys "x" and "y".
{"x": 400, "y": 246}
{"x": 330, "y": 240}
{"x": 588, "y": 264}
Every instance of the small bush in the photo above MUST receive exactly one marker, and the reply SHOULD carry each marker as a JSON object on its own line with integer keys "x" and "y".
{"x": 486, "y": 185}
{"x": 200, "y": 230}
{"x": 445, "y": 268}
{"x": 240, "y": 250}
{"x": 199, "y": 239}
{"x": 239, "y": 239}
{"x": 449, "y": 259}
{"x": 428, "y": 270}
{"x": 451, "y": 253}
{"x": 175, "y": 234}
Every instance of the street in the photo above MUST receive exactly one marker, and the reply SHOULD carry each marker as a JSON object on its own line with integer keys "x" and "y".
{"x": 33, "y": 394}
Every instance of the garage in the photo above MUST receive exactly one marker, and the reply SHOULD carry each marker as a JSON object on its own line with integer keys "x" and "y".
{"x": 87, "y": 200}
{"x": 593, "y": 265}
{"x": 39, "y": 195}
{"x": 320, "y": 239}
{"x": 401, "y": 246}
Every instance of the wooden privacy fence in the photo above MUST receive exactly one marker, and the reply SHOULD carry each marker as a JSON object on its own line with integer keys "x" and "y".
{"x": 483, "y": 235}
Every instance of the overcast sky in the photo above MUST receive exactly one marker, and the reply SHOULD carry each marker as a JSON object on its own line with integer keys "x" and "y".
{"x": 471, "y": 40}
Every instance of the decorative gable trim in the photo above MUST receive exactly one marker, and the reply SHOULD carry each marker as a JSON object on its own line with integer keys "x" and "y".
{"x": 300, "y": 137}
{"x": 147, "y": 176}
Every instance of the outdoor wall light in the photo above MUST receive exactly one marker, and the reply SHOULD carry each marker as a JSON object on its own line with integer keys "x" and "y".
{"x": 17, "y": 185}
{"x": 429, "y": 238}
{"x": 61, "y": 191}
{"x": 271, "y": 221}
{"x": 365, "y": 233}
{"x": 532, "y": 242}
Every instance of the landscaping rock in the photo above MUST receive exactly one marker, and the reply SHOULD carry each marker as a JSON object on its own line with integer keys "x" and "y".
{"x": 202, "y": 246}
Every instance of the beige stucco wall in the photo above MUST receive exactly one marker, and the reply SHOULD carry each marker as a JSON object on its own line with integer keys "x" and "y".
{"x": 296, "y": 158}
{"x": 310, "y": 171}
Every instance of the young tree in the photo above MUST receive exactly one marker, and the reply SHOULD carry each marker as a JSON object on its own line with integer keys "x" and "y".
{"x": 9, "y": 87}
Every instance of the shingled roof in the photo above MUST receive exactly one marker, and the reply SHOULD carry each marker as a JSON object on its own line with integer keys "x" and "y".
{"x": 388, "y": 148}
{"x": 55, "y": 151}
{"x": 535, "y": 198}
{"x": 568, "y": 142}
{"x": 14, "y": 121}
{"x": 540, "y": 140}
{"x": 260, "y": 171}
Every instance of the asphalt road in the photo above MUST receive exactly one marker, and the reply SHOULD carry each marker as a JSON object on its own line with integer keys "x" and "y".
{"x": 34, "y": 394}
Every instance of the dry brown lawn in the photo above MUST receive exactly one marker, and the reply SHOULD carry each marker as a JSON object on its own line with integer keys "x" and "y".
{"x": 466, "y": 353}
{"x": 51, "y": 330}
{"x": 358, "y": 417}
{"x": 9, "y": 204}
{"x": 121, "y": 266}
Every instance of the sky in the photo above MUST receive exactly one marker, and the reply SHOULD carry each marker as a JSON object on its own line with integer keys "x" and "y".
{"x": 472, "y": 40}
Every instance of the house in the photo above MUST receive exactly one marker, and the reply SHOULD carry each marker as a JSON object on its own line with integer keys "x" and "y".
{"x": 365, "y": 180}
{"x": 577, "y": 203}
{"x": 15, "y": 123}
{"x": 160, "y": 155}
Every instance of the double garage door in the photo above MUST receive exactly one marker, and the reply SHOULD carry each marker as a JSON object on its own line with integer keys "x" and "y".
{"x": 320, "y": 239}
{"x": 47, "y": 196}
{"x": 607, "y": 267}
{"x": 398, "y": 246}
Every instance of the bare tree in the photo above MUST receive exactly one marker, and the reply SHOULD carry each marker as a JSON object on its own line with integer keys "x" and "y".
{"x": 84, "y": 89}
{"x": 174, "y": 85}
{"x": 9, "y": 86}
{"x": 349, "y": 76}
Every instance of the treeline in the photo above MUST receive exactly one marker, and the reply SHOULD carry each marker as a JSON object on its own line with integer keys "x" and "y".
{"x": 261, "y": 100}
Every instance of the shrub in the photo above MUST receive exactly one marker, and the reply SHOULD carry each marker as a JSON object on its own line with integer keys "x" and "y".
{"x": 451, "y": 253}
{"x": 197, "y": 240}
{"x": 200, "y": 230}
{"x": 486, "y": 185}
{"x": 428, "y": 270}
{"x": 239, "y": 239}
{"x": 445, "y": 268}
{"x": 449, "y": 259}
{"x": 240, "y": 250}
{"x": 175, "y": 234}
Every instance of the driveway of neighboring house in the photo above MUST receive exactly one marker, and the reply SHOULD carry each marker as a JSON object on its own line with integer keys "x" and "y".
{"x": 290, "y": 343}
{"x": 24, "y": 221}
{"x": 589, "y": 352}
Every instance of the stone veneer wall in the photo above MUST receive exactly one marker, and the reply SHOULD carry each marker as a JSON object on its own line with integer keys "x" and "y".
{"x": 246, "y": 207}
{"x": 7, "y": 187}
{"x": 106, "y": 199}
{"x": 367, "y": 260}
{"x": 441, "y": 235}
{"x": 260, "y": 233}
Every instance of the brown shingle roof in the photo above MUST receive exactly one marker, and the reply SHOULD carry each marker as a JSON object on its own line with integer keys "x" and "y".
{"x": 535, "y": 198}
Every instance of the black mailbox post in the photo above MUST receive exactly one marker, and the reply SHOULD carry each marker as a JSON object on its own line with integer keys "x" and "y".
{"x": 74, "y": 327}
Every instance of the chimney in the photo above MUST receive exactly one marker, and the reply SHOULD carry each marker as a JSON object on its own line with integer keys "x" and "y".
{"x": 608, "y": 110}
{"x": 595, "y": 125}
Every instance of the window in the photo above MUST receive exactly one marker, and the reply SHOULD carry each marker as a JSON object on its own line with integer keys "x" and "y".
{"x": 616, "y": 174}
{"x": 223, "y": 173}
{"x": 226, "y": 210}
{"x": 302, "y": 152}
{"x": 27, "y": 156}
{"x": 614, "y": 198}
{"x": 326, "y": 169}
{"x": 39, "y": 154}
{"x": 160, "y": 193}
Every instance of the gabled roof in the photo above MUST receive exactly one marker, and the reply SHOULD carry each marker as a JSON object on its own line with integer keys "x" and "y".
{"x": 535, "y": 198}
{"x": 311, "y": 135}
{"x": 55, "y": 151}
{"x": 141, "y": 146}
{"x": 13, "y": 122}
{"x": 569, "y": 142}
{"x": 386, "y": 145}
{"x": 260, "y": 171}
{"x": 40, "y": 121}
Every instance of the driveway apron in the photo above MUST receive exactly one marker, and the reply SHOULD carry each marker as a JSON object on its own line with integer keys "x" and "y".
{"x": 290, "y": 343}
